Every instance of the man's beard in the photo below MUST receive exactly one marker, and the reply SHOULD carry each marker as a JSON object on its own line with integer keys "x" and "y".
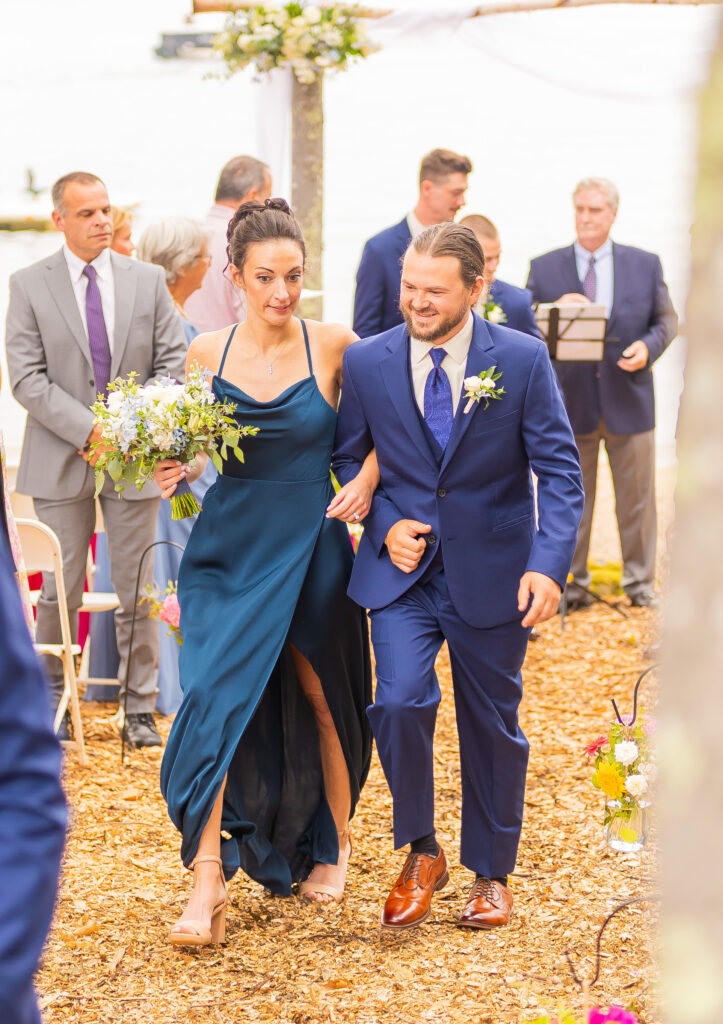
{"x": 443, "y": 327}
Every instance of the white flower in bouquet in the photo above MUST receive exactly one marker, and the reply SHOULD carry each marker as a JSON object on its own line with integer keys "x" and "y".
{"x": 626, "y": 752}
{"x": 636, "y": 785}
{"x": 312, "y": 14}
{"x": 142, "y": 426}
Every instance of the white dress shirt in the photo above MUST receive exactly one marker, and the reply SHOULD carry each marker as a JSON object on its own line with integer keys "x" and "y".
{"x": 453, "y": 364}
{"x": 414, "y": 224}
{"x": 603, "y": 272}
{"x": 104, "y": 277}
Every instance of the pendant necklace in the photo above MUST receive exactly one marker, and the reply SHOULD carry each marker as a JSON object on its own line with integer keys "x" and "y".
{"x": 270, "y": 364}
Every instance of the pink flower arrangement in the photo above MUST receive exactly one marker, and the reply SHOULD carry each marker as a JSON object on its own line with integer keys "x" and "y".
{"x": 614, "y": 1014}
{"x": 170, "y": 612}
{"x": 165, "y": 606}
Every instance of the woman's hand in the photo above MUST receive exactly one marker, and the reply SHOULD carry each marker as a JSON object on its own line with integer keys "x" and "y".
{"x": 352, "y": 503}
{"x": 168, "y": 474}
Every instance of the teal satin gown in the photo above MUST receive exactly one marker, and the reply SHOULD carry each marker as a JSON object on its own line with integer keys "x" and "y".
{"x": 264, "y": 568}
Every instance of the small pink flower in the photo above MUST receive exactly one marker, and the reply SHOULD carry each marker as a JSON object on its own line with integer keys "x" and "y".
{"x": 592, "y": 748}
{"x": 613, "y": 1015}
{"x": 170, "y": 611}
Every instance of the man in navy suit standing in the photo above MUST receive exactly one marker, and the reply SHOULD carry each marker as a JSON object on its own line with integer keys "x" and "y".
{"x": 32, "y": 807}
{"x": 452, "y": 550}
{"x": 442, "y": 185}
{"x": 515, "y": 303}
{"x": 613, "y": 401}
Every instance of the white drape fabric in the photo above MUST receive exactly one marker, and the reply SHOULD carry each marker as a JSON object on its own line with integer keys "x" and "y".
{"x": 273, "y": 127}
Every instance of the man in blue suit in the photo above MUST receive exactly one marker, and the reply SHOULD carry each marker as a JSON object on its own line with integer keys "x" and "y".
{"x": 32, "y": 808}
{"x": 515, "y": 303}
{"x": 442, "y": 185}
{"x": 613, "y": 401}
{"x": 452, "y": 551}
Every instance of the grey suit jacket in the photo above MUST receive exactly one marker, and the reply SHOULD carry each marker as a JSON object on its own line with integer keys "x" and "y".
{"x": 51, "y": 370}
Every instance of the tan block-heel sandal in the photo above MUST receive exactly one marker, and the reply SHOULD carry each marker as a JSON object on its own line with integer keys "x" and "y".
{"x": 336, "y": 893}
{"x": 202, "y": 935}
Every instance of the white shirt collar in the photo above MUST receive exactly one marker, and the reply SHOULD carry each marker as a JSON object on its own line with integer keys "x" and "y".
{"x": 456, "y": 347}
{"x": 606, "y": 249}
{"x": 76, "y": 265}
{"x": 415, "y": 225}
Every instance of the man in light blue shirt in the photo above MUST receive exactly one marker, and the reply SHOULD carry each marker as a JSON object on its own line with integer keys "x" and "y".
{"x": 612, "y": 401}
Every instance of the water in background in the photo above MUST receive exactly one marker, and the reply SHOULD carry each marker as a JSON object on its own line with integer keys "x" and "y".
{"x": 536, "y": 100}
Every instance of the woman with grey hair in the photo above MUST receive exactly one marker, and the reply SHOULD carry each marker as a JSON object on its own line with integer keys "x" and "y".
{"x": 180, "y": 246}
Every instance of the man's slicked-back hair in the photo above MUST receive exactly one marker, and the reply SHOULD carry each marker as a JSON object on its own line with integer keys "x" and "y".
{"x": 480, "y": 225}
{"x": 440, "y": 163}
{"x": 57, "y": 192}
{"x": 239, "y": 176}
{"x": 453, "y": 240}
{"x": 603, "y": 185}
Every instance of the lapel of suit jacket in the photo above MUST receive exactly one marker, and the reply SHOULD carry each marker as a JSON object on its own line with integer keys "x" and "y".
{"x": 61, "y": 288}
{"x": 621, "y": 279}
{"x": 480, "y": 357}
{"x": 394, "y": 374}
{"x": 570, "y": 271}
{"x": 124, "y": 286}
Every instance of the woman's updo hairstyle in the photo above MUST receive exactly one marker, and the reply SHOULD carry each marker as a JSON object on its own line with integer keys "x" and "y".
{"x": 261, "y": 222}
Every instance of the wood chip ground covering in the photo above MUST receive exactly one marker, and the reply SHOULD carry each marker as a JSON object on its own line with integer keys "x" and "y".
{"x": 107, "y": 959}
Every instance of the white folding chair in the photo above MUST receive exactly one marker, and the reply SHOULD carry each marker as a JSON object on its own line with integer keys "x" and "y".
{"x": 42, "y": 553}
{"x": 95, "y": 601}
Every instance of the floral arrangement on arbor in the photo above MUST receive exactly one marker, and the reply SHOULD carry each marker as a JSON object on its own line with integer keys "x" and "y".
{"x": 141, "y": 426}
{"x": 624, "y": 772}
{"x": 310, "y": 39}
{"x": 165, "y": 607}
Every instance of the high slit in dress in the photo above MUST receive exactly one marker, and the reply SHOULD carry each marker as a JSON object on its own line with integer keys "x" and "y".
{"x": 263, "y": 569}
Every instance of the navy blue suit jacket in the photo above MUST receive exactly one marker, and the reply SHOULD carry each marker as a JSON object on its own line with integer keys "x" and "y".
{"x": 641, "y": 310}
{"x": 479, "y": 500}
{"x": 517, "y": 306}
{"x": 376, "y": 302}
{"x": 32, "y": 807}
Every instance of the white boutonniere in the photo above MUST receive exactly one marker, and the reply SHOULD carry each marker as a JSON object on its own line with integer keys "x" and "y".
{"x": 493, "y": 312}
{"x": 483, "y": 387}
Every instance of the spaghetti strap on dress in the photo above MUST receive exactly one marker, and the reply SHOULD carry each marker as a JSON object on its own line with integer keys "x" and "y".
{"x": 263, "y": 569}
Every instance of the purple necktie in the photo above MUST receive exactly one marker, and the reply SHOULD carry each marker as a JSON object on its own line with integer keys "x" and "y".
{"x": 589, "y": 285}
{"x": 97, "y": 334}
{"x": 438, "y": 400}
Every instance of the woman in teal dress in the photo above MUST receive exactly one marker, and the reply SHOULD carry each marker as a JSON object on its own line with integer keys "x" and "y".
{"x": 271, "y": 745}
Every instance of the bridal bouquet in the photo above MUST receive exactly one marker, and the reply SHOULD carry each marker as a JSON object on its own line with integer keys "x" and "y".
{"x": 143, "y": 425}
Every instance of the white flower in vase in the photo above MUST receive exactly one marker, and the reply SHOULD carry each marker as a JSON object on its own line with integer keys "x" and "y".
{"x": 636, "y": 785}
{"x": 626, "y": 752}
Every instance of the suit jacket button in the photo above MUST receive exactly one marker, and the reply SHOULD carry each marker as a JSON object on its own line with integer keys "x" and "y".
{"x": 431, "y": 540}
{"x": 441, "y": 493}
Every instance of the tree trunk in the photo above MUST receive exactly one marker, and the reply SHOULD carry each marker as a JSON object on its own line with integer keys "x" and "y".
{"x": 692, "y": 704}
{"x": 307, "y": 181}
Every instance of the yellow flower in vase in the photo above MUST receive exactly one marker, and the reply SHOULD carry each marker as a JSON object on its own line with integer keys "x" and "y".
{"x": 609, "y": 780}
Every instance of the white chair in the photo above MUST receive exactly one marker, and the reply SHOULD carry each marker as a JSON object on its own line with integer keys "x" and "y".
{"x": 95, "y": 601}
{"x": 41, "y": 552}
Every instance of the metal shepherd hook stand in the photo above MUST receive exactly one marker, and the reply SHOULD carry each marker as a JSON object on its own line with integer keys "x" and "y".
{"x": 155, "y": 544}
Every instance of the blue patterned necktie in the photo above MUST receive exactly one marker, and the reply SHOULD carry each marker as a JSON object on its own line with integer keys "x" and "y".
{"x": 438, "y": 399}
{"x": 589, "y": 285}
{"x": 97, "y": 333}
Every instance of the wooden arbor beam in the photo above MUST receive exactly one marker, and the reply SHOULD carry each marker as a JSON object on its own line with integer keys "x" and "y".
{"x": 501, "y": 7}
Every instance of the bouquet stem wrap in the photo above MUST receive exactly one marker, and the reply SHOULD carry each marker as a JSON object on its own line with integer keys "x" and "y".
{"x": 183, "y": 501}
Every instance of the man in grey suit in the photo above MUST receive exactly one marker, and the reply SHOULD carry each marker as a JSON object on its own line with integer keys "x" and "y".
{"x": 77, "y": 320}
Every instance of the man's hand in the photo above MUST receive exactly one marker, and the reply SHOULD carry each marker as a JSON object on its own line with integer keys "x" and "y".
{"x": 546, "y": 596}
{"x": 635, "y": 357}
{"x": 572, "y": 299}
{"x": 404, "y": 546}
{"x": 91, "y": 455}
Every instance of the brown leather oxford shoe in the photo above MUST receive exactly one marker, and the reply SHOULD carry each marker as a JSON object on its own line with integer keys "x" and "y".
{"x": 489, "y": 905}
{"x": 410, "y": 901}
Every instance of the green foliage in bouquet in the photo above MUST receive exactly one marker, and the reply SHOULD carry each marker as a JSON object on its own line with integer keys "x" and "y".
{"x": 308, "y": 38}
